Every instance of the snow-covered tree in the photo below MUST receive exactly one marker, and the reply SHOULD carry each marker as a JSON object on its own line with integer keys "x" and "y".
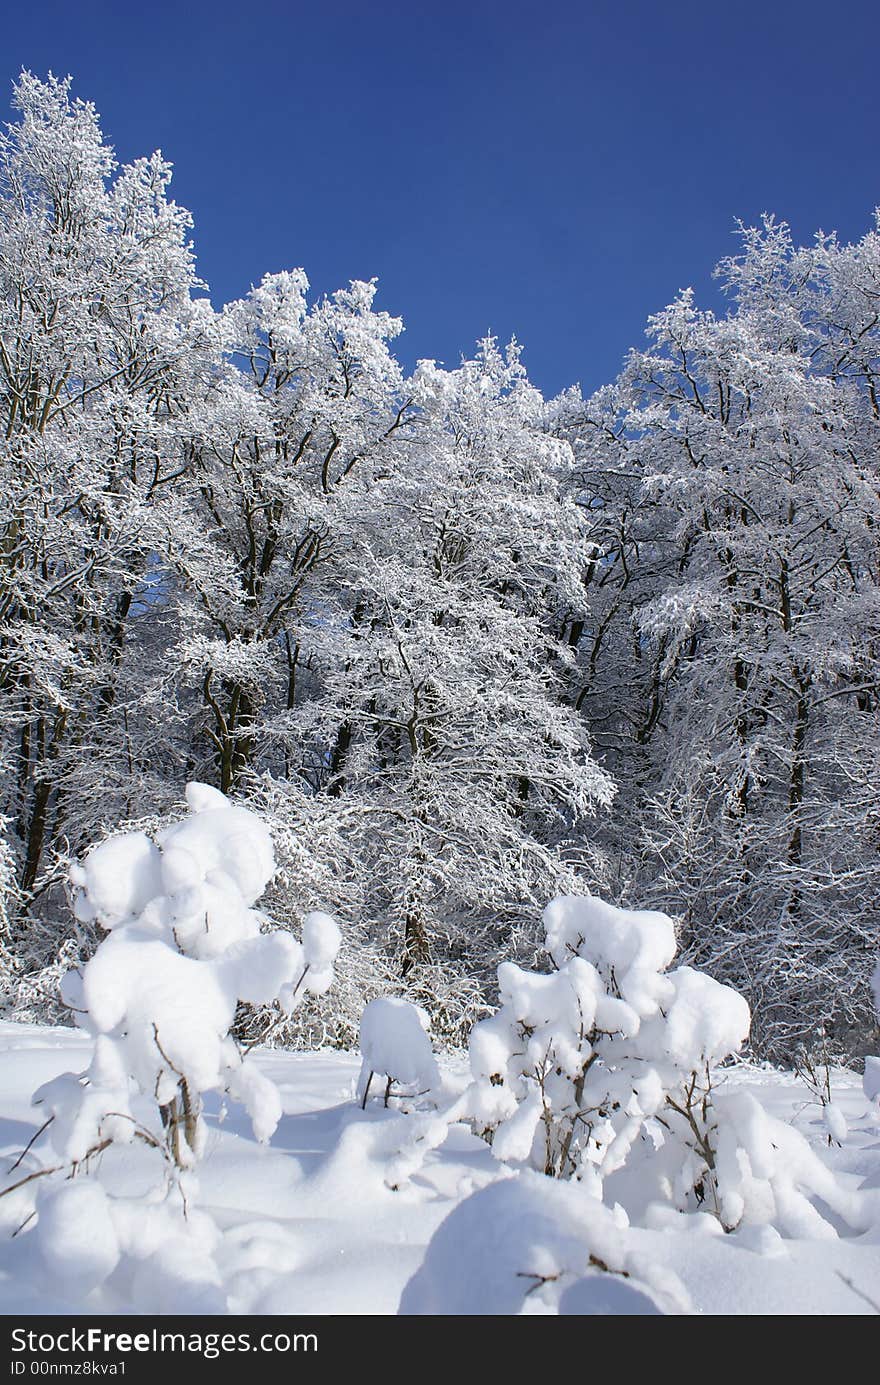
{"x": 285, "y": 443}
{"x": 743, "y": 448}
{"x": 466, "y": 775}
{"x": 184, "y": 944}
{"x": 395, "y": 1046}
{"x": 98, "y": 333}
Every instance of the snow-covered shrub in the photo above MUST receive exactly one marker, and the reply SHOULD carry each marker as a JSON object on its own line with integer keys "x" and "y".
{"x": 92, "y": 1251}
{"x": 395, "y": 1044}
{"x": 766, "y": 1174}
{"x": 530, "y": 1244}
{"x": 602, "y": 1071}
{"x": 607, "y": 1049}
{"x": 813, "y": 1067}
{"x": 184, "y": 946}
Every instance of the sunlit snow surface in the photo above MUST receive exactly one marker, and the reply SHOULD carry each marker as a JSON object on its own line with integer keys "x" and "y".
{"x": 308, "y": 1224}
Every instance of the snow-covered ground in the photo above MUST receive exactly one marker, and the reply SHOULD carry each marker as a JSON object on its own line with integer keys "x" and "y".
{"x": 309, "y": 1223}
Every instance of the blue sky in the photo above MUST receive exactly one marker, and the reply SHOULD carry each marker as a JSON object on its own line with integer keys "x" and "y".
{"x": 554, "y": 170}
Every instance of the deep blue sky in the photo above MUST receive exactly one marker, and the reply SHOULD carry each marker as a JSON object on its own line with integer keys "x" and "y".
{"x": 554, "y": 170}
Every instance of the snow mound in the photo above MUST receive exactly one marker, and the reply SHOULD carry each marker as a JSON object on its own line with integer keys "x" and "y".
{"x": 76, "y": 1235}
{"x": 517, "y": 1245}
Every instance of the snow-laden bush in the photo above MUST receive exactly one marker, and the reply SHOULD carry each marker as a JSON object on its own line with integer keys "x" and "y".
{"x": 395, "y": 1045}
{"x": 184, "y": 946}
{"x": 766, "y": 1174}
{"x": 576, "y": 1063}
{"x": 602, "y": 1071}
{"x": 594, "y": 1085}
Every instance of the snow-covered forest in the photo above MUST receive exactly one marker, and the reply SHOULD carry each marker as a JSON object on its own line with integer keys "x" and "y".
{"x": 545, "y": 729}
{"x": 463, "y": 647}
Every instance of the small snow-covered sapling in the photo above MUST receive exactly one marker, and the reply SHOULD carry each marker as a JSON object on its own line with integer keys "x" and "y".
{"x": 813, "y": 1067}
{"x": 571, "y": 1069}
{"x": 395, "y": 1044}
{"x": 184, "y": 945}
